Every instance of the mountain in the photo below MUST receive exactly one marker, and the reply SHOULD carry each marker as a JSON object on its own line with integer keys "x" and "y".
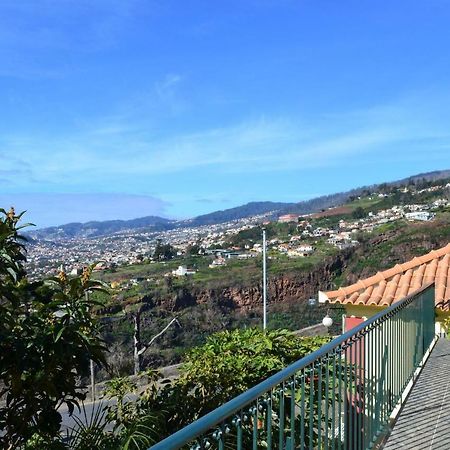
{"x": 101, "y": 228}
{"x": 428, "y": 176}
{"x": 307, "y": 206}
{"x": 239, "y": 212}
{"x": 153, "y": 223}
{"x": 332, "y": 200}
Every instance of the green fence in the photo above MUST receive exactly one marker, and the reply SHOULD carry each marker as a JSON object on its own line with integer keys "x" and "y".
{"x": 339, "y": 397}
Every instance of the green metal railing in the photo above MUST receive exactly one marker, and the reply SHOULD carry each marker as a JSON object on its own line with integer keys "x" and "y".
{"x": 339, "y": 397}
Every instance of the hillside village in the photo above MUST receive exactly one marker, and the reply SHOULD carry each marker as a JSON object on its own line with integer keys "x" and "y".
{"x": 290, "y": 236}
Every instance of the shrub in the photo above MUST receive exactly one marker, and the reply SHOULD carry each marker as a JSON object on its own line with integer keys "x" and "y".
{"x": 47, "y": 338}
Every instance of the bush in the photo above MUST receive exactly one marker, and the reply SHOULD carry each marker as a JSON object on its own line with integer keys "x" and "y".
{"x": 228, "y": 364}
{"x": 47, "y": 338}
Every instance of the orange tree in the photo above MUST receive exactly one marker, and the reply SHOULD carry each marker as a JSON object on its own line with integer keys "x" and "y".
{"x": 47, "y": 338}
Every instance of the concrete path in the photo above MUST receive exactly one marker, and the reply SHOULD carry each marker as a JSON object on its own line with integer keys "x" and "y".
{"x": 424, "y": 422}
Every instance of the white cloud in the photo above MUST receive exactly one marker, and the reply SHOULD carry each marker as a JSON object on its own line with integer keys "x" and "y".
{"x": 124, "y": 148}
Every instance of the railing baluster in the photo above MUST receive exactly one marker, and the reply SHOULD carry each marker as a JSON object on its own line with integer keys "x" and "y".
{"x": 327, "y": 401}
{"x": 345, "y": 387}
{"x": 334, "y": 401}
{"x": 281, "y": 417}
{"x": 353, "y": 381}
{"x": 302, "y": 410}
{"x": 254, "y": 413}
{"x": 237, "y": 422}
{"x": 361, "y": 387}
{"x": 319, "y": 402}
{"x": 292, "y": 417}
{"x": 311, "y": 406}
{"x": 340, "y": 397}
{"x": 269, "y": 420}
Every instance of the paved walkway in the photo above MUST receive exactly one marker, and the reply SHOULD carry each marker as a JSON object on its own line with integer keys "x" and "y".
{"x": 424, "y": 422}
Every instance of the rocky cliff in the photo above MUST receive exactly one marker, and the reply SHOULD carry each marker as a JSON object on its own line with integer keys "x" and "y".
{"x": 284, "y": 288}
{"x": 375, "y": 253}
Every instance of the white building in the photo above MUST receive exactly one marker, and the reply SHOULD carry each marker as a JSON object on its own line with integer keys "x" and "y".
{"x": 182, "y": 271}
{"x": 419, "y": 215}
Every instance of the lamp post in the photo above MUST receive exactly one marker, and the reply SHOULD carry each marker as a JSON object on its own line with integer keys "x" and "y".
{"x": 264, "y": 280}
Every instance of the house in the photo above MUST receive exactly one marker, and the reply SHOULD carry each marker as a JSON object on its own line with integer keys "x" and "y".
{"x": 419, "y": 215}
{"x": 302, "y": 251}
{"x": 369, "y": 296}
{"x": 76, "y": 271}
{"x": 306, "y": 249}
{"x": 218, "y": 262}
{"x": 182, "y": 271}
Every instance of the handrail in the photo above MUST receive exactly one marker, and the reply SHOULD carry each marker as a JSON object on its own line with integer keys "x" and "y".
{"x": 217, "y": 416}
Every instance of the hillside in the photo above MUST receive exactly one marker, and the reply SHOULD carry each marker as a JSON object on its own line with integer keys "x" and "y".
{"x": 101, "y": 228}
{"x": 308, "y": 206}
{"x": 239, "y": 212}
{"x": 152, "y": 223}
{"x": 231, "y": 297}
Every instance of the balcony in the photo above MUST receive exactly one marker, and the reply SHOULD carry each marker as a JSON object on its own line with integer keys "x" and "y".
{"x": 345, "y": 395}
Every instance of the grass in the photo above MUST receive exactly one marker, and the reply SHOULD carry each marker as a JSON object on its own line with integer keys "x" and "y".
{"x": 365, "y": 202}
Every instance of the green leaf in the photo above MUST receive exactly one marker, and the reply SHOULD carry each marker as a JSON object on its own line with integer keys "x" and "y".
{"x": 60, "y": 332}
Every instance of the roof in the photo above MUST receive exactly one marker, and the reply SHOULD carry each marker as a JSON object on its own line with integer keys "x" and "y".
{"x": 390, "y": 286}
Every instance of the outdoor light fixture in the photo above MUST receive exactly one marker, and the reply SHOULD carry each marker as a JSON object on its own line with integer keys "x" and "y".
{"x": 327, "y": 321}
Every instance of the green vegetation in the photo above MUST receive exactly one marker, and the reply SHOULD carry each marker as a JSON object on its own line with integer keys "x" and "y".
{"x": 389, "y": 244}
{"x": 228, "y": 363}
{"x": 231, "y": 362}
{"x": 48, "y": 335}
{"x": 397, "y": 242}
{"x": 47, "y": 338}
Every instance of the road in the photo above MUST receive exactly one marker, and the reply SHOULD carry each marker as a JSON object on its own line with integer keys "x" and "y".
{"x": 90, "y": 410}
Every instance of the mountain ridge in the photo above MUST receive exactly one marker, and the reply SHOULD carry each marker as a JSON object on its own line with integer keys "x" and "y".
{"x": 271, "y": 209}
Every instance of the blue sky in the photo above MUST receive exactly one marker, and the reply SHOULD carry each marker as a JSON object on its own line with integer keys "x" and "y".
{"x": 120, "y": 109}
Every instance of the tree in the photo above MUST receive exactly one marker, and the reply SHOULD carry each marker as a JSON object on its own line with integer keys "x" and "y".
{"x": 139, "y": 348}
{"x": 193, "y": 249}
{"x": 164, "y": 251}
{"x": 358, "y": 213}
{"x": 47, "y": 339}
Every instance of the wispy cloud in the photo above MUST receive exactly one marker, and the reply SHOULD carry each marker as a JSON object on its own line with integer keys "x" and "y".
{"x": 166, "y": 87}
{"x": 167, "y": 92}
{"x": 125, "y": 149}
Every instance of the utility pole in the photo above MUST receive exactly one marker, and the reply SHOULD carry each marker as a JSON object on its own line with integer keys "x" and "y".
{"x": 91, "y": 363}
{"x": 264, "y": 280}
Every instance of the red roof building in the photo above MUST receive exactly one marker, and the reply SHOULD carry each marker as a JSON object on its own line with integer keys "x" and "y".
{"x": 365, "y": 297}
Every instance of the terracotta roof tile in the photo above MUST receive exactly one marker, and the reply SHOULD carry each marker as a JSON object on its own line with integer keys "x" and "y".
{"x": 365, "y": 296}
{"x": 447, "y": 290}
{"x": 390, "y": 286}
{"x": 377, "y": 294}
{"x": 403, "y": 286}
{"x": 441, "y": 279}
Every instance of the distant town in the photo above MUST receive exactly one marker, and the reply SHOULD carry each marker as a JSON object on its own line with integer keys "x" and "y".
{"x": 46, "y": 257}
